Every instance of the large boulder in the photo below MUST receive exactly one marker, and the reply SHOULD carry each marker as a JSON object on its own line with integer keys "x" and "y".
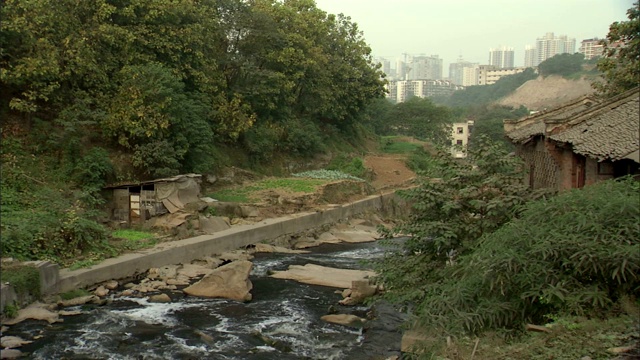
{"x": 359, "y": 291}
{"x": 344, "y": 319}
{"x": 322, "y": 275}
{"x": 229, "y": 281}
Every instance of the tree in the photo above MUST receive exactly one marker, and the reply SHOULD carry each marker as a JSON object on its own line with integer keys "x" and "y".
{"x": 455, "y": 204}
{"x": 576, "y": 253}
{"x": 489, "y": 121}
{"x": 621, "y": 59}
{"x": 418, "y": 117}
{"x": 562, "y": 64}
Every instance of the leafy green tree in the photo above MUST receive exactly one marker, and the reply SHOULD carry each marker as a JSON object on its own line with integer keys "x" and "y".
{"x": 454, "y": 205}
{"x": 416, "y": 117}
{"x": 488, "y": 121}
{"x": 621, "y": 60}
{"x": 562, "y": 64}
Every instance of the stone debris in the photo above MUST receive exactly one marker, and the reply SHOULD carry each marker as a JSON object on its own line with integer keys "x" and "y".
{"x": 10, "y": 342}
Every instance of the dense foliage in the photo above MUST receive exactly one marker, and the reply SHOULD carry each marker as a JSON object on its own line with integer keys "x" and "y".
{"x": 489, "y": 122}
{"x": 455, "y": 203}
{"x": 621, "y": 61}
{"x": 576, "y": 253}
{"x": 166, "y": 82}
{"x": 484, "y": 252}
{"x": 110, "y": 90}
{"x": 562, "y": 64}
{"x": 416, "y": 117}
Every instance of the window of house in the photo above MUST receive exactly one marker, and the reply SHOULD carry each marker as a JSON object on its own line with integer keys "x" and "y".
{"x": 460, "y": 130}
{"x": 458, "y": 142}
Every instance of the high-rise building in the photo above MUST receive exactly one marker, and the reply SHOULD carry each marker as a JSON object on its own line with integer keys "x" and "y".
{"x": 550, "y": 45}
{"x": 425, "y": 68}
{"x": 400, "y": 91}
{"x": 501, "y": 57}
{"x": 385, "y": 65}
{"x": 591, "y": 48}
{"x": 530, "y": 56}
{"x": 401, "y": 70}
{"x": 456, "y": 70}
{"x": 470, "y": 75}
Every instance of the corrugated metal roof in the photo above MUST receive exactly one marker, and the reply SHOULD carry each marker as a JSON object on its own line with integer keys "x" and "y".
{"x": 146, "y": 182}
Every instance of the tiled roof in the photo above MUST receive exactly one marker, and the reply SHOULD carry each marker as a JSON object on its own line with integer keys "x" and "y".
{"x": 524, "y": 133}
{"x": 532, "y": 125}
{"x": 611, "y": 132}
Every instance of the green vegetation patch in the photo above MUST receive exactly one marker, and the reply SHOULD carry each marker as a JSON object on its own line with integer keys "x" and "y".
{"x": 247, "y": 194}
{"x": 135, "y": 235}
{"x": 129, "y": 239}
{"x": 25, "y": 279}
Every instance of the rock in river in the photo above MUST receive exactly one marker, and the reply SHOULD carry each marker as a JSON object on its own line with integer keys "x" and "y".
{"x": 229, "y": 281}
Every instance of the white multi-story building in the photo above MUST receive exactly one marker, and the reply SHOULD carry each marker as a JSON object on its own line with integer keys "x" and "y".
{"x": 425, "y": 68}
{"x": 470, "y": 75}
{"x": 501, "y": 57}
{"x": 550, "y": 45}
{"x": 489, "y": 74}
{"x": 530, "y": 56}
{"x": 460, "y": 138}
{"x": 457, "y": 71}
{"x": 400, "y": 90}
{"x": 591, "y": 48}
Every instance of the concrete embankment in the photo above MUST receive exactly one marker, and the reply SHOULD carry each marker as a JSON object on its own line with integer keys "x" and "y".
{"x": 187, "y": 250}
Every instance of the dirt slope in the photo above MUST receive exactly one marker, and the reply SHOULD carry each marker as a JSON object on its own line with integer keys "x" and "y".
{"x": 390, "y": 171}
{"x": 547, "y": 92}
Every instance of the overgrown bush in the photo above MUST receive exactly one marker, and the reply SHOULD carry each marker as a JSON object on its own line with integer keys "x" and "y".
{"x": 456, "y": 202}
{"x": 351, "y": 165}
{"x": 573, "y": 254}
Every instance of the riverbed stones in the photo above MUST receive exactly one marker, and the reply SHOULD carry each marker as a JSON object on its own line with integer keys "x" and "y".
{"x": 344, "y": 319}
{"x": 10, "y": 354}
{"x": 35, "y": 312}
{"x": 359, "y": 291}
{"x": 101, "y": 291}
{"x": 159, "y": 298}
{"x": 111, "y": 285}
{"x": 81, "y": 300}
{"x": 322, "y": 275}
{"x": 230, "y": 281}
{"x": 266, "y": 248}
{"x": 10, "y": 342}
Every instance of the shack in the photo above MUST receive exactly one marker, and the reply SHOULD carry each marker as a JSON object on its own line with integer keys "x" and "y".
{"x": 134, "y": 203}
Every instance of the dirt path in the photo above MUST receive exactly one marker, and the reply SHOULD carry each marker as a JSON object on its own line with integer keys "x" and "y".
{"x": 390, "y": 171}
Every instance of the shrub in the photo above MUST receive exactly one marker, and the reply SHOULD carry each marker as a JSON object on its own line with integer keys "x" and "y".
{"x": 455, "y": 203}
{"x": 573, "y": 254}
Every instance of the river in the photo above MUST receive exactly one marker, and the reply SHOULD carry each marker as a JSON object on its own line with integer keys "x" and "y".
{"x": 284, "y": 311}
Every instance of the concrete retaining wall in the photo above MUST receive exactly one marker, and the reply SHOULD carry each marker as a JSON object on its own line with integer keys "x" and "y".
{"x": 187, "y": 250}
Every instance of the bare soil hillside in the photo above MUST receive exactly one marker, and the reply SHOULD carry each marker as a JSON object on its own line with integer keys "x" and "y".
{"x": 548, "y": 92}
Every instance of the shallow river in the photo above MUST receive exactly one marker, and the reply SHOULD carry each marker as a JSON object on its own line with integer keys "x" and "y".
{"x": 196, "y": 328}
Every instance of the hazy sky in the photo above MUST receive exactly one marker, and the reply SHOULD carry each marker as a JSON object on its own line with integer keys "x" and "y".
{"x": 468, "y": 28}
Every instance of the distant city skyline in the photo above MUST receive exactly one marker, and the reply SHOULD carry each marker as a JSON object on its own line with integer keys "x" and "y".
{"x": 469, "y": 28}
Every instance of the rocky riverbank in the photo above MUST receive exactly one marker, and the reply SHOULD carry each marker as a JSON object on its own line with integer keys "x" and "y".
{"x": 223, "y": 276}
